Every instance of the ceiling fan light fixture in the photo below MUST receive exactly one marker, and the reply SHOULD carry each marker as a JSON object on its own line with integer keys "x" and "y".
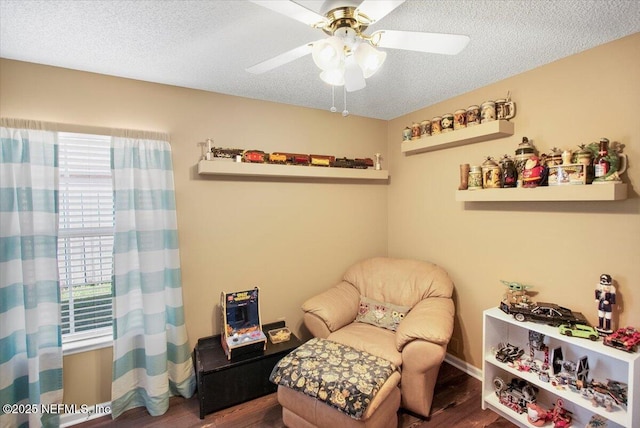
{"x": 369, "y": 59}
{"x": 353, "y": 76}
{"x": 334, "y": 77}
{"x": 328, "y": 54}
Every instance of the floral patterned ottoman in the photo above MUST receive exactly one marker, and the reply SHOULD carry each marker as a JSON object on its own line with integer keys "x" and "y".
{"x": 324, "y": 383}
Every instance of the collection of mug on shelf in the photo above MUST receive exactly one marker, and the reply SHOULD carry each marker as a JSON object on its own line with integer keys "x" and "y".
{"x": 502, "y": 109}
{"x": 596, "y": 163}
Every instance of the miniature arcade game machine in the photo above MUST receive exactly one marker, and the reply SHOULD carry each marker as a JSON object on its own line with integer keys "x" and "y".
{"x": 241, "y": 328}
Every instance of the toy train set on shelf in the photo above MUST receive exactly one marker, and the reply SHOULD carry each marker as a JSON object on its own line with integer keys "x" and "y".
{"x": 281, "y": 158}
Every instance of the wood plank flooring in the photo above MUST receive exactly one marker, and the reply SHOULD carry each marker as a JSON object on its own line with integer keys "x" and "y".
{"x": 457, "y": 404}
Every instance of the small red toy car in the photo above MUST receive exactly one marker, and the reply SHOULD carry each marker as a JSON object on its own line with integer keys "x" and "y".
{"x": 626, "y": 339}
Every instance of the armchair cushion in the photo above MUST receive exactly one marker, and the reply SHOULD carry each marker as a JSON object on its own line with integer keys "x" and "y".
{"x": 381, "y": 314}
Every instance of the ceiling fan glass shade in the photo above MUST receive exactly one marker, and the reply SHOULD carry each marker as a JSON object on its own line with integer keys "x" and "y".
{"x": 369, "y": 59}
{"x": 353, "y": 77}
{"x": 333, "y": 77}
{"x": 328, "y": 54}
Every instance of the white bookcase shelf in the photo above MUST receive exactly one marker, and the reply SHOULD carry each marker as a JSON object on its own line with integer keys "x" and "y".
{"x": 604, "y": 363}
{"x": 230, "y": 168}
{"x": 473, "y": 134}
{"x": 590, "y": 192}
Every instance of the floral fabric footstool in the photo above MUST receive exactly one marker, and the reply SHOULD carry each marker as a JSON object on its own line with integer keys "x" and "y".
{"x": 328, "y": 384}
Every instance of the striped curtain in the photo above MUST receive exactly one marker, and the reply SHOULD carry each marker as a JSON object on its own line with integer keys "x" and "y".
{"x": 30, "y": 329}
{"x": 151, "y": 355}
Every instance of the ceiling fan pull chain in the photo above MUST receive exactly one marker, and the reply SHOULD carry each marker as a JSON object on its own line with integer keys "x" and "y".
{"x": 345, "y": 112}
{"x": 333, "y": 108}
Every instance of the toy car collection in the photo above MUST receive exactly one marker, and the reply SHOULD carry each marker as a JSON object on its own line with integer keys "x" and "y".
{"x": 626, "y": 339}
{"x": 562, "y": 374}
{"x": 548, "y": 313}
{"x": 579, "y": 330}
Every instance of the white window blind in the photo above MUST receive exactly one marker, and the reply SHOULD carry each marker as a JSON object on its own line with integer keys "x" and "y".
{"x": 85, "y": 241}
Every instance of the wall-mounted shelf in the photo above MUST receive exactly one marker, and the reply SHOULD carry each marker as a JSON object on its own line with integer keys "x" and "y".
{"x": 474, "y": 134}
{"x": 592, "y": 192}
{"x": 230, "y": 168}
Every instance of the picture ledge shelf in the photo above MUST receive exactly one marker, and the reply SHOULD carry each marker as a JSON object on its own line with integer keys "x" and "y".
{"x": 473, "y": 134}
{"x": 230, "y": 168}
{"x": 590, "y": 192}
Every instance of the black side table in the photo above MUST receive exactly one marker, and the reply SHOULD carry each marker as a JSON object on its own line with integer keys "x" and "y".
{"x": 223, "y": 383}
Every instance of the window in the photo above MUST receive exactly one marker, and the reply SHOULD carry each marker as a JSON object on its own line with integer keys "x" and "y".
{"x": 85, "y": 241}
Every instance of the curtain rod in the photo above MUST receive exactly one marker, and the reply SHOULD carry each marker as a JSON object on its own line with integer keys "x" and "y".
{"x": 82, "y": 129}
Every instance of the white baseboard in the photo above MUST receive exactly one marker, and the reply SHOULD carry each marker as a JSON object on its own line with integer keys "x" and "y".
{"x": 92, "y": 412}
{"x": 464, "y": 366}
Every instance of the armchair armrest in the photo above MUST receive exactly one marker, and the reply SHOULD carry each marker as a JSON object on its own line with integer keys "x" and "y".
{"x": 336, "y": 307}
{"x": 431, "y": 320}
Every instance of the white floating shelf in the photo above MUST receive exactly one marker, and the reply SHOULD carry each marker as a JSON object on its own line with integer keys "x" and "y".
{"x": 231, "y": 168}
{"x": 590, "y": 192}
{"x": 473, "y": 134}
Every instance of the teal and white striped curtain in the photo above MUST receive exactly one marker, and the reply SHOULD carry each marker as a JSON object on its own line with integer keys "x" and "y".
{"x": 30, "y": 326}
{"x": 151, "y": 355}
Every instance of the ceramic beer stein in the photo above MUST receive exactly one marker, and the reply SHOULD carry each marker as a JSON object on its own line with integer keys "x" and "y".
{"x": 459, "y": 119}
{"x": 406, "y": 134}
{"x": 491, "y": 174}
{"x": 473, "y": 115}
{"x": 487, "y": 111}
{"x": 505, "y": 109}
{"x": 436, "y": 126}
{"x": 425, "y": 128}
{"x": 415, "y": 131}
{"x": 447, "y": 122}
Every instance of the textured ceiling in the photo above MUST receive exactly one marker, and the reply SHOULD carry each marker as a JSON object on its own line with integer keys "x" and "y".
{"x": 208, "y": 45}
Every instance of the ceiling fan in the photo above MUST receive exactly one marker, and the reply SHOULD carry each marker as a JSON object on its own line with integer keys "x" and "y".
{"x": 349, "y": 56}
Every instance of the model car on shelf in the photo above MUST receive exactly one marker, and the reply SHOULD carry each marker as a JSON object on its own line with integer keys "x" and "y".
{"x": 509, "y": 353}
{"x": 548, "y": 313}
{"x": 516, "y": 394}
{"x": 626, "y": 338}
{"x": 579, "y": 330}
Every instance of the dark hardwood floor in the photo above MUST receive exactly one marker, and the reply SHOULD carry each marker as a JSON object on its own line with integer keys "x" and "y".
{"x": 457, "y": 404}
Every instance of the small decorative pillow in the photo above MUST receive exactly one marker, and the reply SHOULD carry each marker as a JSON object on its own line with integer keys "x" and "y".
{"x": 380, "y": 314}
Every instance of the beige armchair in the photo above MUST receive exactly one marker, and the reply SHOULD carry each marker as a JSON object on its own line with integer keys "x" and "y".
{"x": 418, "y": 345}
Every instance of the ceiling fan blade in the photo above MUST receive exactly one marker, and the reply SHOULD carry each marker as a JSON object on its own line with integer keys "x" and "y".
{"x": 283, "y": 58}
{"x": 448, "y": 44}
{"x": 293, "y": 10}
{"x": 378, "y": 9}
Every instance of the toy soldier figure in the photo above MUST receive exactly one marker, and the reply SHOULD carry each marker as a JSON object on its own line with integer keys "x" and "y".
{"x": 606, "y": 298}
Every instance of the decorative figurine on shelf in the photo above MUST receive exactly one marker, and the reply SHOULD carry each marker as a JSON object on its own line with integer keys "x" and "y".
{"x": 606, "y": 298}
{"x": 534, "y": 173}
{"x": 516, "y": 293}
{"x": 561, "y": 417}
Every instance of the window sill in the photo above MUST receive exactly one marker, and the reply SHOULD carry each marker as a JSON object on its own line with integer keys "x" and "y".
{"x": 86, "y": 345}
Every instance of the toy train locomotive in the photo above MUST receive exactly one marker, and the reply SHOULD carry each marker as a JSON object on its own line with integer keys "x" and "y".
{"x": 259, "y": 156}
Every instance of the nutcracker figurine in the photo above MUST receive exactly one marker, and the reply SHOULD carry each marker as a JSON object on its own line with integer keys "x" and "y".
{"x": 606, "y": 298}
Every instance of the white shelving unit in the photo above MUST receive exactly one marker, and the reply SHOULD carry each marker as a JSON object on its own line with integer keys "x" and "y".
{"x": 230, "y": 168}
{"x": 473, "y": 134}
{"x": 590, "y": 192}
{"x": 604, "y": 363}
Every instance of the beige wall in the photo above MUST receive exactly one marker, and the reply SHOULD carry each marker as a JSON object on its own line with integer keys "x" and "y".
{"x": 560, "y": 248}
{"x": 293, "y": 238}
